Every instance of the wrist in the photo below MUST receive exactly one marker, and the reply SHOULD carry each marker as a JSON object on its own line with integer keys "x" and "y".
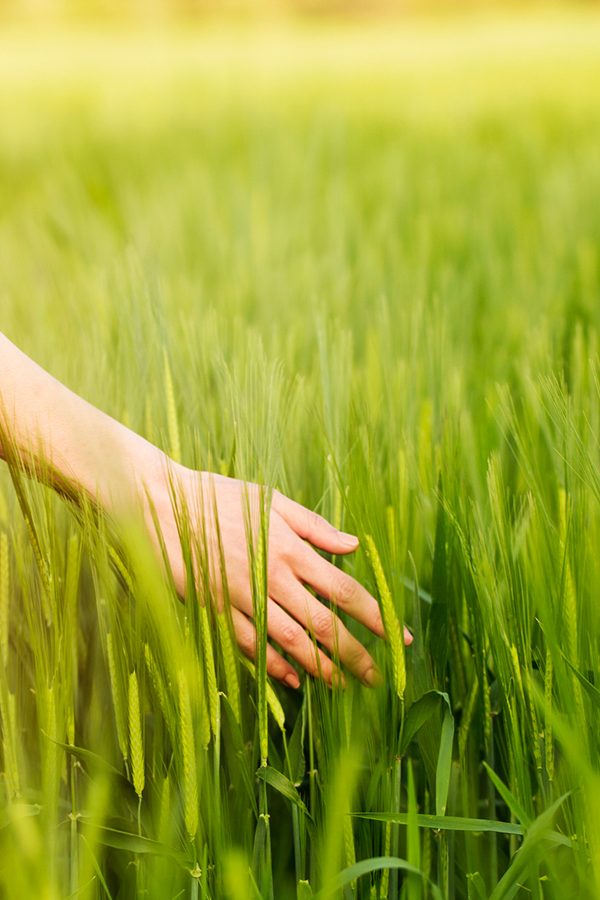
{"x": 131, "y": 470}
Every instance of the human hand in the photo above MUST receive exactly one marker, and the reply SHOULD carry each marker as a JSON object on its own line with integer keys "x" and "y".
{"x": 294, "y": 615}
{"x": 66, "y": 441}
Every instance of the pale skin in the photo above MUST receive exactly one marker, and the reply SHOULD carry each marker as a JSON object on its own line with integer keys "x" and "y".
{"x": 54, "y": 430}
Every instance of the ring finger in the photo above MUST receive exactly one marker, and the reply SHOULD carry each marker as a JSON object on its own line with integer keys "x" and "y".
{"x": 277, "y": 666}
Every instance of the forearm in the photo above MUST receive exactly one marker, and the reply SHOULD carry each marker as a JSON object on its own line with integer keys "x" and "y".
{"x": 63, "y": 439}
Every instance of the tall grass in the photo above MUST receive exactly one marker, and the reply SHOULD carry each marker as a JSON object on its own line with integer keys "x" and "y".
{"x": 382, "y": 299}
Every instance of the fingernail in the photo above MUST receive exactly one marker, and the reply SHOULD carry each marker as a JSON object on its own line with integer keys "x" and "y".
{"x": 408, "y": 638}
{"x": 372, "y": 677}
{"x": 350, "y": 539}
{"x": 292, "y": 680}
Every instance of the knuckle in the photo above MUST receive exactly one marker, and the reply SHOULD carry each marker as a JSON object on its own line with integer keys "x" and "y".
{"x": 276, "y": 574}
{"x": 245, "y": 641}
{"x": 324, "y": 627}
{"x": 288, "y": 548}
{"x": 357, "y": 658}
{"x": 344, "y": 591}
{"x": 291, "y": 635}
{"x": 313, "y": 521}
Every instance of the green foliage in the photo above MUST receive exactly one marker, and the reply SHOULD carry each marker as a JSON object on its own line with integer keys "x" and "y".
{"x": 375, "y": 289}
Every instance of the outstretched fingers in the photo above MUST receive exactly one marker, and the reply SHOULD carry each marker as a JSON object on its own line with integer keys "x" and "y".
{"x": 340, "y": 588}
{"x": 329, "y": 581}
{"x": 292, "y": 637}
{"x": 309, "y": 614}
{"x": 277, "y": 666}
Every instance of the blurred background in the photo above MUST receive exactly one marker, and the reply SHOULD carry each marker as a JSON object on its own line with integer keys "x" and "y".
{"x": 359, "y": 231}
{"x": 242, "y": 152}
{"x": 173, "y": 9}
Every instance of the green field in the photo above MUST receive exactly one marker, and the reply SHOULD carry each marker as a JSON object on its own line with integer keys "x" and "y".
{"x": 361, "y": 264}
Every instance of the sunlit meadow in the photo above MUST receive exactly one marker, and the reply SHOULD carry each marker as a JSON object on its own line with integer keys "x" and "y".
{"x": 360, "y": 263}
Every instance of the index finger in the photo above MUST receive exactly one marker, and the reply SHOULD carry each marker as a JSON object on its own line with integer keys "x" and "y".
{"x": 313, "y": 527}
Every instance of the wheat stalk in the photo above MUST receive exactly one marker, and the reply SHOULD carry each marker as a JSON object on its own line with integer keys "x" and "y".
{"x": 273, "y": 703}
{"x": 463, "y": 732}
{"x": 548, "y": 744}
{"x": 570, "y": 601}
{"x": 50, "y": 775}
{"x": 9, "y": 745}
{"x": 535, "y": 728}
{"x": 73, "y": 568}
{"x": 349, "y": 849}
{"x": 164, "y": 817}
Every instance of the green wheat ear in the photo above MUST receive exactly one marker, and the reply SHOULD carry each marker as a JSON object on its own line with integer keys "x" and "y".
{"x": 391, "y": 623}
{"x": 188, "y": 751}
{"x": 230, "y": 664}
{"x": 115, "y": 690}
{"x": 569, "y": 597}
{"x": 209, "y": 669}
{"x": 136, "y": 743}
{"x": 172, "y": 422}
{"x": 157, "y": 684}
{"x": 569, "y": 592}
{"x": 8, "y": 719}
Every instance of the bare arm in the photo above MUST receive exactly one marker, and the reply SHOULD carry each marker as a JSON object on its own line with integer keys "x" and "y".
{"x": 60, "y": 436}
{"x": 53, "y": 428}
